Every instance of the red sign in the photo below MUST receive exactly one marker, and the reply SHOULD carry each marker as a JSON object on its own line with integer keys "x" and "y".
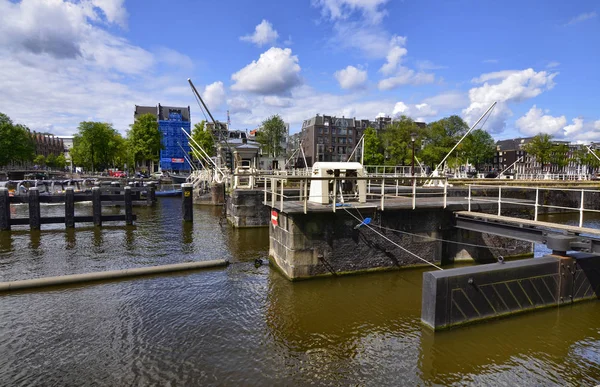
{"x": 274, "y": 218}
{"x": 174, "y": 160}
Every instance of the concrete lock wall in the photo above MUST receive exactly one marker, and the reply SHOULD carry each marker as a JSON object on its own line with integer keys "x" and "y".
{"x": 458, "y": 296}
{"x": 321, "y": 244}
{"x": 245, "y": 208}
{"x": 212, "y": 195}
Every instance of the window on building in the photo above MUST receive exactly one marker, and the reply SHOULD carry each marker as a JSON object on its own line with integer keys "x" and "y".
{"x": 326, "y": 130}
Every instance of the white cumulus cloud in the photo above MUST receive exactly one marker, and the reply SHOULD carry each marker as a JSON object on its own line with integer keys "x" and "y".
{"x": 508, "y": 87}
{"x": 214, "y": 95}
{"x": 263, "y": 34}
{"x": 394, "y": 56}
{"x": 276, "y": 71}
{"x": 351, "y": 77}
{"x": 535, "y": 122}
{"x": 574, "y": 128}
{"x": 415, "y": 111}
{"x": 55, "y": 27}
{"x": 406, "y": 76}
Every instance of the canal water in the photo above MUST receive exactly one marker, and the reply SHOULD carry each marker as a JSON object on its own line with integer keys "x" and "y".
{"x": 247, "y": 325}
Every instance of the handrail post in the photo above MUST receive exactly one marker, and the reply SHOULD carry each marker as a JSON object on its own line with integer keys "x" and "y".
{"x": 396, "y": 187}
{"x": 537, "y": 196}
{"x": 382, "y": 193}
{"x": 499, "y": 200}
{"x": 273, "y": 190}
{"x": 305, "y": 194}
{"x": 469, "y": 200}
{"x": 265, "y": 201}
{"x": 445, "y": 192}
{"x": 281, "y": 199}
{"x": 334, "y": 192}
{"x": 581, "y": 207}
{"x": 414, "y": 193}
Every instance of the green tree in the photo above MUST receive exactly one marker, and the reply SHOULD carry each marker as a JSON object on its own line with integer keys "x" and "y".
{"x": 559, "y": 156}
{"x": 121, "y": 156}
{"x": 40, "y": 160}
{"x": 372, "y": 151}
{"x": 478, "y": 147}
{"x": 95, "y": 146}
{"x": 16, "y": 144}
{"x": 441, "y": 136}
{"x": 540, "y": 147}
{"x": 144, "y": 139}
{"x": 203, "y": 137}
{"x": 397, "y": 142}
{"x": 270, "y": 136}
{"x": 51, "y": 160}
{"x": 60, "y": 161}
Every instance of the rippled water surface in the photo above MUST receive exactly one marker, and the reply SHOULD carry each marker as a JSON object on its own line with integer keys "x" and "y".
{"x": 243, "y": 325}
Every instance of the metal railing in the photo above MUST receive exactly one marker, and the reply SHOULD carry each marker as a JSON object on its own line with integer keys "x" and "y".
{"x": 393, "y": 171}
{"x": 550, "y": 176}
{"x": 378, "y": 190}
{"x": 537, "y": 204}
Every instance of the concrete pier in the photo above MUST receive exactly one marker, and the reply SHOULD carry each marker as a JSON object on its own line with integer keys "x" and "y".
{"x": 326, "y": 243}
{"x": 210, "y": 194}
{"x": 245, "y": 208}
{"x": 457, "y": 296}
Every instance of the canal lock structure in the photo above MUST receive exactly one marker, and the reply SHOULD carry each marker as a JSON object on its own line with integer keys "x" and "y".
{"x": 247, "y": 324}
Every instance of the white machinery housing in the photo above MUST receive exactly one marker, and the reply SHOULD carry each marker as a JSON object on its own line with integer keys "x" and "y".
{"x": 320, "y": 190}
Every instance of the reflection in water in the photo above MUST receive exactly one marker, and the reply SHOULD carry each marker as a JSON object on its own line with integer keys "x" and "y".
{"x": 188, "y": 234}
{"x": 98, "y": 240}
{"x": 246, "y": 325}
{"x": 539, "y": 346}
{"x": 34, "y": 242}
{"x": 70, "y": 241}
{"x": 129, "y": 237}
{"x": 6, "y": 242}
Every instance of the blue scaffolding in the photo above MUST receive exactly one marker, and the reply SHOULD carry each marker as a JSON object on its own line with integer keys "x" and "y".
{"x": 175, "y": 144}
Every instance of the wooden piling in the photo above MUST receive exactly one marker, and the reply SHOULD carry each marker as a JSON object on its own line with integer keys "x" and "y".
{"x": 187, "y": 202}
{"x": 151, "y": 194}
{"x": 69, "y": 207}
{"x": 128, "y": 206}
{"x": 4, "y": 209}
{"x": 34, "y": 208}
{"x": 96, "y": 206}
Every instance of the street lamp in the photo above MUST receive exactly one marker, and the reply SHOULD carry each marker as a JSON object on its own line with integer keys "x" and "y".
{"x": 413, "y": 137}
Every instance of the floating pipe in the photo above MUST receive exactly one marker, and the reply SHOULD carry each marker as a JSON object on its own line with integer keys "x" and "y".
{"x": 108, "y": 275}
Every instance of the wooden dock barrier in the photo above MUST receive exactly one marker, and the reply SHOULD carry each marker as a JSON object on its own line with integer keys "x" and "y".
{"x": 99, "y": 197}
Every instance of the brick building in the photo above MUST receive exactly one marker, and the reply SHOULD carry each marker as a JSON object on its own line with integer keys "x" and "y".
{"x": 47, "y": 144}
{"x": 331, "y": 138}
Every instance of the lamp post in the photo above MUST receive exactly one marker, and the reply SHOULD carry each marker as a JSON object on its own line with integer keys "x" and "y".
{"x": 413, "y": 138}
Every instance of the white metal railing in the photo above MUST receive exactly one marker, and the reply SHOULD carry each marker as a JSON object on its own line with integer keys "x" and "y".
{"x": 393, "y": 171}
{"x": 379, "y": 189}
{"x": 550, "y": 176}
{"x": 536, "y": 204}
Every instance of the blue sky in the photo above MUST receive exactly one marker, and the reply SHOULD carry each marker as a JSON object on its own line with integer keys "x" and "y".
{"x": 64, "y": 62}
